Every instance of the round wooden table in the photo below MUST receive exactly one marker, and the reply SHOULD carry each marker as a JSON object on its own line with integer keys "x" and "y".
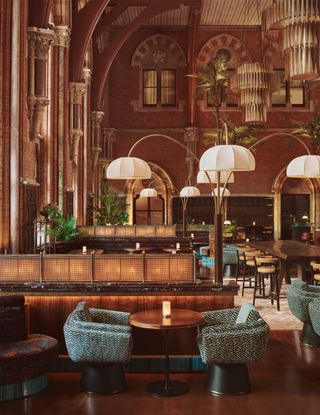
{"x": 153, "y": 319}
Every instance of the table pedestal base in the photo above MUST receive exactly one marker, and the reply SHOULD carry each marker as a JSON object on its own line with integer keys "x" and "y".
{"x": 167, "y": 388}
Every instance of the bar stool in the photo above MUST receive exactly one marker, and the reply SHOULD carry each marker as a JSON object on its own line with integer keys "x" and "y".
{"x": 315, "y": 272}
{"x": 249, "y": 268}
{"x": 266, "y": 267}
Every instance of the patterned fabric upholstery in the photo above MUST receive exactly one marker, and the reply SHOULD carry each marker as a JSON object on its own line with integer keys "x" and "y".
{"x": 26, "y": 359}
{"x": 12, "y": 318}
{"x": 221, "y": 341}
{"x": 230, "y": 256}
{"x": 107, "y": 338}
{"x": 299, "y": 295}
{"x": 314, "y": 311}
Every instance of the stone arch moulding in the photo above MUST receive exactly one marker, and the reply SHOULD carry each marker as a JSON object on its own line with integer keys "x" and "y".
{"x": 237, "y": 49}
{"x": 159, "y": 173}
{"x": 277, "y": 186}
{"x": 143, "y": 52}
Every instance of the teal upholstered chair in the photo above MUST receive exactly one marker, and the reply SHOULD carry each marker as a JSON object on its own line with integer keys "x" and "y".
{"x": 102, "y": 340}
{"x": 228, "y": 340}
{"x": 314, "y": 312}
{"x": 300, "y": 295}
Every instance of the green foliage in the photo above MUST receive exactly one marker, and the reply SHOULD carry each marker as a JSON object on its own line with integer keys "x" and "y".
{"x": 112, "y": 210}
{"x": 309, "y": 130}
{"x": 231, "y": 230}
{"x": 236, "y": 135}
{"x": 61, "y": 228}
{"x": 211, "y": 78}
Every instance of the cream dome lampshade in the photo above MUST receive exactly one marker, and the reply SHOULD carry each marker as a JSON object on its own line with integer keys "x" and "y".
{"x": 203, "y": 178}
{"x": 128, "y": 168}
{"x": 304, "y": 166}
{"x": 227, "y": 157}
{"x": 189, "y": 191}
{"x": 148, "y": 192}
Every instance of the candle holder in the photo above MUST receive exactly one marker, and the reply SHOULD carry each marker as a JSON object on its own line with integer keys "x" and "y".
{"x": 137, "y": 245}
{"x": 177, "y": 245}
{"x": 84, "y": 250}
{"x": 166, "y": 309}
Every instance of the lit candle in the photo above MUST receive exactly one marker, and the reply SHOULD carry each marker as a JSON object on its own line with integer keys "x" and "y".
{"x": 253, "y": 223}
{"x": 84, "y": 249}
{"x": 166, "y": 308}
{"x": 137, "y": 245}
{"x": 203, "y": 223}
{"x": 192, "y": 235}
{"x": 247, "y": 240}
{"x": 178, "y": 245}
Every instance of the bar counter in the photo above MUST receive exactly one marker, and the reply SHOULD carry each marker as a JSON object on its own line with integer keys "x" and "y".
{"x": 49, "y": 305}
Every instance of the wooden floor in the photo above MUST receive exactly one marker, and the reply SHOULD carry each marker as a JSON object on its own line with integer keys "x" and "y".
{"x": 285, "y": 382}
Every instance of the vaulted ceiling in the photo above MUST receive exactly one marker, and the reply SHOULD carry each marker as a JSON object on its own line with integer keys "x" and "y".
{"x": 213, "y": 13}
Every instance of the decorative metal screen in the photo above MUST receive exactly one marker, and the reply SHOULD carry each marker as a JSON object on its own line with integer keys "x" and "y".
{"x": 19, "y": 268}
{"x": 118, "y": 268}
{"x": 66, "y": 268}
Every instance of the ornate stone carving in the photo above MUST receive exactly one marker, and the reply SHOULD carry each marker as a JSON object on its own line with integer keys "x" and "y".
{"x": 40, "y": 41}
{"x": 75, "y": 136}
{"x": 62, "y": 36}
{"x": 109, "y": 137}
{"x": 95, "y": 152}
{"x": 77, "y": 91}
{"x": 87, "y": 75}
{"x": 97, "y": 118}
{"x": 36, "y": 106}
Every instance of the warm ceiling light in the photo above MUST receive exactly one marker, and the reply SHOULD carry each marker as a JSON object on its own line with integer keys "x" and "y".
{"x": 299, "y": 21}
{"x": 203, "y": 178}
{"x": 227, "y": 157}
{"x": 148, "y": 192}
{"x": 304, "y": 166}
{"x": 254, "y": 83}
{"x": 225, "y": 193}
{"x": 189, "y": 191}
{"x": 128, "y": 168}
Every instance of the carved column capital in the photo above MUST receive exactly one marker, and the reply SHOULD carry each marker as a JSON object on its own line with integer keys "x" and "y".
{"x": 40, "y": 41}
{"x": 62, "y": 36}
{"x": 191, "y": 134}
{"x": 97, "y": 118}
{"x": 109, "y": 134}
{"x": 77, "y": 91}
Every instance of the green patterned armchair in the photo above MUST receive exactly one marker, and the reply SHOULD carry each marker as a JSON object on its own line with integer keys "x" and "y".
{"x": 299, "y": 296}
{"x": 102, "y": 340}
{"x": 228, "y": 340}
{"x": 314, "y": 311}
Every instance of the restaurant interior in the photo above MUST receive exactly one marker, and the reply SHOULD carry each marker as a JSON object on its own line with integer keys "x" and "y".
{"x": 159, "y": 207}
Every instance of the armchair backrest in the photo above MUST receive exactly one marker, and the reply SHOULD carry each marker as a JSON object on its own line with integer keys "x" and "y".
{"x": 12, "y": 318}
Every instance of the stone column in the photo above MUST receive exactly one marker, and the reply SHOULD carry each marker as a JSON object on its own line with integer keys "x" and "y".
{"x": 77, "y": 91}
{"x": 39, "y": 42}
{"x": 96, "y": 120}
{"x": 62, "y": 41}
{"x": 85, "y": 170}
{"x": 191, "y": 137}
{"x": 108, "y": 138}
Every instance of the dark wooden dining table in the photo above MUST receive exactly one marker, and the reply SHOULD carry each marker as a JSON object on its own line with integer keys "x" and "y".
{"x": 290, "y": 252}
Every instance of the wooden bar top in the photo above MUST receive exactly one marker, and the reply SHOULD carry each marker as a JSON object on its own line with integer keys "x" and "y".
{"x": 153, "y": 319}
{"x": 288, "y": 250}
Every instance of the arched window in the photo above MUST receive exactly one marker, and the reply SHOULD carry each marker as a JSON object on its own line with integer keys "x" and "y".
{"x": 159, "y": 59}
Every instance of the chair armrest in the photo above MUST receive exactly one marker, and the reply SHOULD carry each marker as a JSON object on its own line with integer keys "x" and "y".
{"x": 228, "y": 316}
{"x": 92, "y": 345}
{"x": 106, "y": 327}
{"x": 109, "y": 316}
{"x": 312, "y": 289}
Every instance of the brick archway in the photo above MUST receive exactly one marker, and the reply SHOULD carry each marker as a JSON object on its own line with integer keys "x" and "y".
{"x": 175, "y": 54}
{"x": 237, "y": 49}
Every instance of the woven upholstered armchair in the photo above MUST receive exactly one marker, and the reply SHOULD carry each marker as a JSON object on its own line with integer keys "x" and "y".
{"x": 102, "y": 340}
{"x": 228, "y": 340}
{"x": 300, "y": 295}
{"x": 314, "y": 311}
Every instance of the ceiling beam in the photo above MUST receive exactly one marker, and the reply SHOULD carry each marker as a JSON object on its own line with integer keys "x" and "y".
{"x": 83, "y": 24}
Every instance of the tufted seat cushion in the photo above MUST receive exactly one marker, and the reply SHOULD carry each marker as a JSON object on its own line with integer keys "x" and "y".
{"x": 26, "y": 359}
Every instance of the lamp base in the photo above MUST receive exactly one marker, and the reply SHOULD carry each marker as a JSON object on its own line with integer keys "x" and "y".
{"x": 169, "y": 388}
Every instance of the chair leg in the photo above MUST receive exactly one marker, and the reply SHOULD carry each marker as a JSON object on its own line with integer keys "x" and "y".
{"x": 103, "y": 378}
{"x": 228, "y": 379}
{"x": 308, "y": 336}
